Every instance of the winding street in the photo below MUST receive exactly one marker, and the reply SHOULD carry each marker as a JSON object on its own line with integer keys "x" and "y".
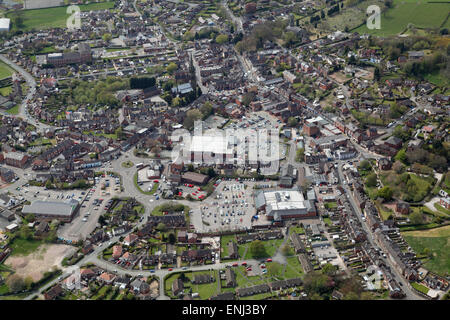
{"x": 23, "y": 113}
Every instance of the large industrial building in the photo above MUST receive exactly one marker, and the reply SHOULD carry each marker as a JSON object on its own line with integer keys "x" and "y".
{"x": 48, "y": 210}
{"x": 284, "y": 204}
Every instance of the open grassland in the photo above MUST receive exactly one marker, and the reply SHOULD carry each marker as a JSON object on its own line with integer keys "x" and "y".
{"x": 421, "y": 14}
{"x": 54, "y": 17}
{"x": 437, "y": 242}
{"x": 431, "y": 233}
{"x": 5, "y": 71}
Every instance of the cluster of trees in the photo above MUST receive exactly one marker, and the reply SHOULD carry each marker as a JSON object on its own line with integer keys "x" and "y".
{"x": 421, "y": 156}
{"x": 267, "y": 31}
{"x": 333, "y": 10}
{"x": 437, "y": 61}
{"x": 197, "y": 114}
{"x": 258, "y": 250}
{"x": 396, "y": 111}
{"x": 99, "y": 93}
{"x": 142, "y": 82}
{"x": 206, "y": 33}
{"x": 403, "y": 133}
{"x": 386, "y": 193}
{"x": 319, "y": 285}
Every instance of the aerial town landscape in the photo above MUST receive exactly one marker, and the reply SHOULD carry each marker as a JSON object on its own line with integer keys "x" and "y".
{"x": 224, "y": 150}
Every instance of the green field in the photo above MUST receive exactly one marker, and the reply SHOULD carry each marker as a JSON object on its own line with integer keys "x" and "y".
{"x": 421, "y": 14}
{"x": 54, "y": 17}
{"x": 420, "y": 287}
{"x": 5, "y": 71}
{"x": 14, "y": 110}
{"x": 6, "y": 91}
{"x": 437, "y": 242}
{"x": 24, "y": 247}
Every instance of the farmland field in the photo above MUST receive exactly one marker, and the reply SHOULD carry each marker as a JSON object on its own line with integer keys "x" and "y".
{"x": 55, "y": 17}
{"x": 437, "y": 241}
{"x": 419, "y": 13}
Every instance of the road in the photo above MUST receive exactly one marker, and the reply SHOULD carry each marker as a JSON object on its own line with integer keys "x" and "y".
{"x": 410, "y": 294}
{"x": 23, "y": 113}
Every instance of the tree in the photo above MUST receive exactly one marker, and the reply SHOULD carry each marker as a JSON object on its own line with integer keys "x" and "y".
{"x": 107, "y": 37}
{"x": 386, "y": 193}
{"x": 248, "y": 98}
{"x": 18, "y": 19}
{"x": 329, "y": 269}
{"x": 285, "y": 250}
{"x": 172, "y": 238}
{"x": 192, "y": 116}
{"x": 300, "y": 155}
{"x": 206, "y": 109}
{"x": 416, "y": 217}
{"x": 15, "y": 283}
{"x": 183, "y": 277}
{"x": 351, "y": 296}
{"x": 161, "y": 227}
{"x": 315, "y": 282}
{"x": 377, "y": 74}
{"x": 26, "y": 233}
{"x": 371, "y": 180}
{"x": 398, "y": 167}
{"x": 171, "y": 67}
{"x": 365, "y": 165}
{"x": 28, "y": 282}
{"x": 273, "y": 268}
{"x": 222, "y": 38}
{"x": 257, "y": 249}
{"x": 292, "y": 122}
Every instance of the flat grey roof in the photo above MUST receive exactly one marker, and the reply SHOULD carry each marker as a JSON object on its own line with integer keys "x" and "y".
{"x": 57, "y": 208}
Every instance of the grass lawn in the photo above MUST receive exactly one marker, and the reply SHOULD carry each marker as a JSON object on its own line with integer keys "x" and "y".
{"x": 437, "y": 79}
{"x": 223, "y": 244}
{"x": 422, "y": 185}
{"x": 6, "y": 91}
{"x": 420, "y": 287}
{"x": 205, "y": 291}
{"x": 421, "y": 14}
{"x": 330, "y": 205}
{"x": 436, "y": 240}
{"x": 4, "y": 289}
{"x": 54, "y": 17}
{"x": 293, "y": 268}
{"x": 14, "y": 110}
{"x": 441, "y": 208}
{"x": 155, "y": 186}
{"x": 127, "y": 164}
{"x": 384, "y": 213}
{"x": 24, "y": 247}
{"x": 102, "y": 134}
{"x": 5, "y": 71}
{"x": 271, "y": 247}
{"x": 298, "y": 230}
{"x": 328, "y": 221}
